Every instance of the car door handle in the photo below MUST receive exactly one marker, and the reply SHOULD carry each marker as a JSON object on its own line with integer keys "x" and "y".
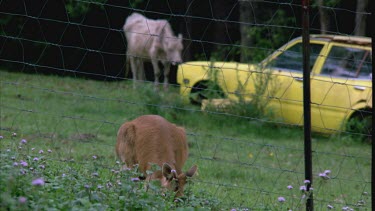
{"x": 298, "y": 78}
{"x": 362, "y": 88}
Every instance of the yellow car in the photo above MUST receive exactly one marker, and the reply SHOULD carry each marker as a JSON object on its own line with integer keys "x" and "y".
{"x": 341, "y": 82}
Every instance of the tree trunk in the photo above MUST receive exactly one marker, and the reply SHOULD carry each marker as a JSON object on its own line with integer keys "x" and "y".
{"x": 223, "y": 32}
{"x": 324, "y": 18}
{"x": 247, "y": 16}
{"x": 187, "y": 53}
{"x": 360, "y": 18}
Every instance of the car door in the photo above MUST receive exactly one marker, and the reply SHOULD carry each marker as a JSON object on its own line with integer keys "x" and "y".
{"x": 342, "y": 86}
{"x": 287, "y": 80}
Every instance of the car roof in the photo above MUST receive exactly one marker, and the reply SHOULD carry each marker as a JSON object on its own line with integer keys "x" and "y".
{"x": 364, "y": 41}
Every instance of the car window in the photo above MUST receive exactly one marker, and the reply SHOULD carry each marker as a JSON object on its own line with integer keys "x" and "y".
{"x": 348, "y": 62}
{"x": 292, "y": 58}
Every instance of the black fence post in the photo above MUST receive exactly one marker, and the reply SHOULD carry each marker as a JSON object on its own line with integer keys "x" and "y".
{"x": 307, "y": 100}
{"x": 372, "y": 7}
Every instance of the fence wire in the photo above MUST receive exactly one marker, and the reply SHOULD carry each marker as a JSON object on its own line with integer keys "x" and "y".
{"x": 65, "y": 90}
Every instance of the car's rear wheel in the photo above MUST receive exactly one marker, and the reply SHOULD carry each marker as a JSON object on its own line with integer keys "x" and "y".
{"x": 360, "y": 125}
{"x": 205, "y": 90}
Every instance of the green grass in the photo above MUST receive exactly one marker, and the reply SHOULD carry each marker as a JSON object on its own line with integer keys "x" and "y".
{"x": 242, "y": 164}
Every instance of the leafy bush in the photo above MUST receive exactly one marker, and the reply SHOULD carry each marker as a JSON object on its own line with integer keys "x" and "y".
{"x": 256, "y": 107}
{"x": 163, "y": 103}
{"x": 267, "y": 39}
{"x": 77, "y": 8}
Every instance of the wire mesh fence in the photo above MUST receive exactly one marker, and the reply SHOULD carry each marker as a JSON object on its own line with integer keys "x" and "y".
{"x": 238, "y": 93}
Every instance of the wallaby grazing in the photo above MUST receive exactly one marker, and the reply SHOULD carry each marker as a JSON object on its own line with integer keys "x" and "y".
{"x": 151, "y": 139}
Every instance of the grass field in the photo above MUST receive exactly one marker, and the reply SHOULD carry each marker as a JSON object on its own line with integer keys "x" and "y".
{"x": 243, "y": 164}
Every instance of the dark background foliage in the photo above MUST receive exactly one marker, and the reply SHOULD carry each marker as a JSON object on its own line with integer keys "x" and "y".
{"x": 85, "y": 38}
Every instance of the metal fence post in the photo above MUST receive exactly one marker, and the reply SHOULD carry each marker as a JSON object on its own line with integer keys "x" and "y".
{"x": 372, "y": 7}
{"x": 307, "y": 100}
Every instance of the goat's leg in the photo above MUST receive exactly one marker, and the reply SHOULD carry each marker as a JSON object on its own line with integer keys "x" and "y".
{"x": 133, "y": 66}
{"x": 141, "y": 70}
{"x": 156, "y": 72}
{"x": 167, "y": 69}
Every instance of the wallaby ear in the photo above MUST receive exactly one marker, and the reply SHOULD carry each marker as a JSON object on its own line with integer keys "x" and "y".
{"x": 192, "y": 171}
{"x": 168, "y": 172}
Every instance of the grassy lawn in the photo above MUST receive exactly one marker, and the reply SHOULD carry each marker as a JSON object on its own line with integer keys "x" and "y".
{"x": 242, "y": 164}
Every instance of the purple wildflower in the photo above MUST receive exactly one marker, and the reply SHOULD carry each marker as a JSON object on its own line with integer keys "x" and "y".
{"x": 42, "y": 166}
{"x": 23, "y": 163}
{"x": 324, "y": 176}
{"x": 32, "y": 149}
{"x": 41, "y": 151}
{"x": 126, "y": 168}
{"x": 1, "y": 137}
{"x": 22, "y": 200}
{"x": 327, "y": 172}
{"x": 38, "y": 182}
{"x": 95, "y": 174}
{"x": 22, "y": 171}
{"x": 109, "y": 185}
{"x": 100, "y": 186}
{"x": 281, "y": 199}
{"x": 302, "y": 188}
{"x": 15, "y": 164}
{"x": 14, "y": 134}
{"x": 290, "y": 187}
{"x": 23, "y": 141}
{"x": 306, "y": 181}
{"x": 13, "y": 158}
{"x": 329, "y": 207}
{"x": 94, "y": 157}
{"x": 87, "y": 186}
{"x": 135, "y": 179}
{"x": 49, "y": 151}
{"x": 36, "y": 159}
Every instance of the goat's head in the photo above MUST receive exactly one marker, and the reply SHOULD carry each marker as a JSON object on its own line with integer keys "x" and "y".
{"x": 176, "y": 182}
{"x": 173, "y": 48}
